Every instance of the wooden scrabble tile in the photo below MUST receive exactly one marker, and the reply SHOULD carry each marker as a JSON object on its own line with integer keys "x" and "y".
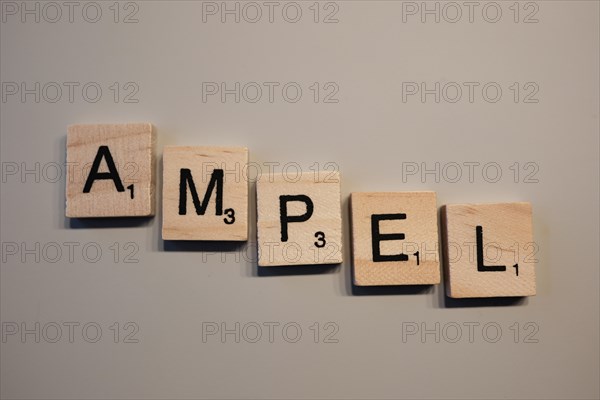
{"x": 299, "y": 222}
{"x": 110, "y": 170}
{"x": 395, "y": 238}
{"x": 488, "y": 250}
{"x": 205, "y": 193}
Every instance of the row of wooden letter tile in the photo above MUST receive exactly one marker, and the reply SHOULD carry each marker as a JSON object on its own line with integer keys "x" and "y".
{"x": 299, "y": 221}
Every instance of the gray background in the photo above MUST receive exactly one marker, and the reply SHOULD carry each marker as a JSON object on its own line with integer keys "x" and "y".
{"x": 369, "y": 133}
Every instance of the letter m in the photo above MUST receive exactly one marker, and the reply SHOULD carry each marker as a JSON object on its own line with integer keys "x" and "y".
{"x": 216, "y": 182}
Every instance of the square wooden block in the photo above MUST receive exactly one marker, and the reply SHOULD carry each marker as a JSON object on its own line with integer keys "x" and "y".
{"x": 395, "y": 238}
{"x": 489, "y": 250}
{"x": 205, "y": 193}
{"x": 299, "y": 220}
{"x": 110, "y": 170}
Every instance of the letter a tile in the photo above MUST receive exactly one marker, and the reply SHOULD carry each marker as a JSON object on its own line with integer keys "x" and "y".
{"x": 110, "y": 170}
{"x": 395, "y": 239}
{"x": 205, "y": 193}
{"x": 489, "y": 250}
{"x": 299, "y": 219}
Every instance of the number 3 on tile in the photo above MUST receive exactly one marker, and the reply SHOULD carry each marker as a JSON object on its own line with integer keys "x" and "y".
{"x": 230, "y": 212}
{"x": 321, "y": 242}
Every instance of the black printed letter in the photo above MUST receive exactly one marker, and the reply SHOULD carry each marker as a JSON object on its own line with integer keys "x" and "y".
{"x": 481, "y": 267}
{"x": 185, "y": 179}
{"x": 112, "y": 173}
{"x": 285, "y": 219}
{"x": 377, "y": 237}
